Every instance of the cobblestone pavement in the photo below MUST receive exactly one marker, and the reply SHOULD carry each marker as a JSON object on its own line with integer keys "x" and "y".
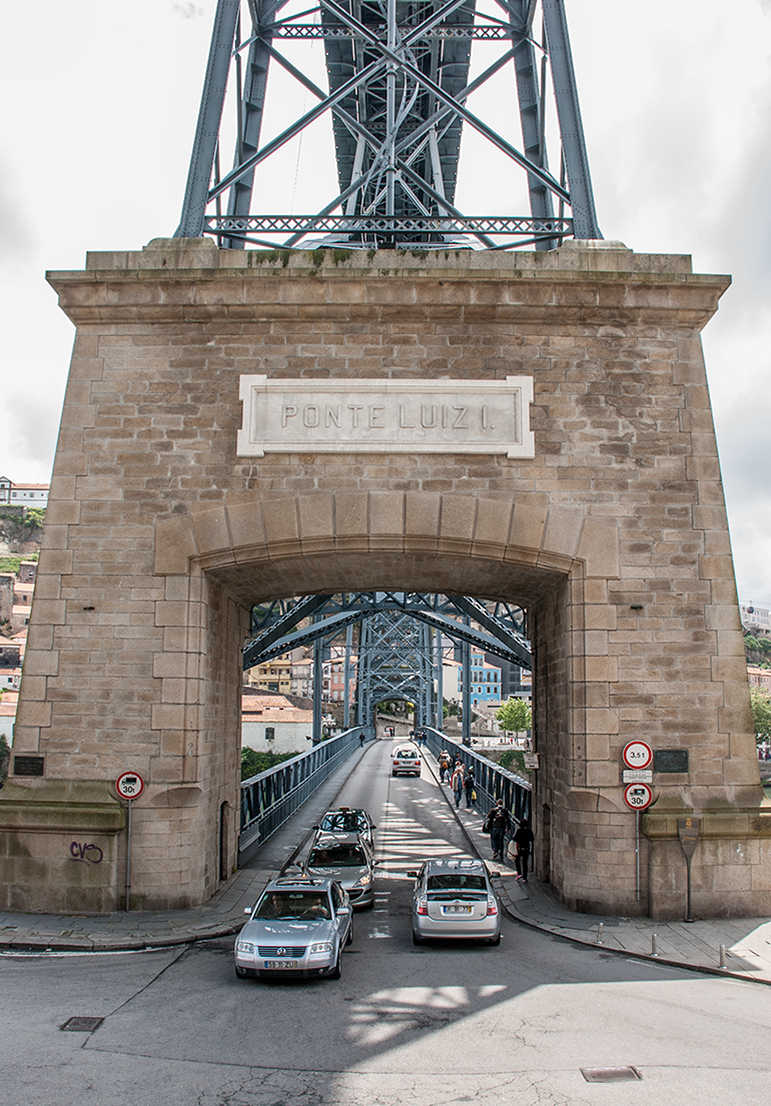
{"x": 738, "y": 946}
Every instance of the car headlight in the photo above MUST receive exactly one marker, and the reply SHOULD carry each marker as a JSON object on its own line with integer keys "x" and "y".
{"x": 244, "y": 946}
{"x": 365, "y": 879}
{"x": 321, "y": 947}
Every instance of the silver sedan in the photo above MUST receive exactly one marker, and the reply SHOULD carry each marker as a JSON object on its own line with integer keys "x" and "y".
{"x": 455, "y": 899}
{"x": 298, "y": 927}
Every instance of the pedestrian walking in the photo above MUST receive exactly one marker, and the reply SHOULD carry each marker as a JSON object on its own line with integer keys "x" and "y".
{"x": 469, "y": 786}
{"x": 456, "y": 783}
{"x": 444, "y": 766}
{"x": 497, "y": 824}
{"x": 523, "y": 844}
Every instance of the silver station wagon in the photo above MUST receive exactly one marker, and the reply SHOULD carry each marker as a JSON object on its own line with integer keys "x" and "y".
{"x": 298, "y": 927}
{"x": 454, "y": 899}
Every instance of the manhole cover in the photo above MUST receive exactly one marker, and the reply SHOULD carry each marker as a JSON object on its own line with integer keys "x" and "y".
{"x": 609, "y": 1075}
{"x": 81, "y": 1025}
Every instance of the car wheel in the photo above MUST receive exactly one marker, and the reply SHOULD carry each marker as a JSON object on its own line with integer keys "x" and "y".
{"x": 349, "y": 938}
{"x": 495, "y": 940}
{"x": 337, "y": 971}
{"x": 415, "y": 939}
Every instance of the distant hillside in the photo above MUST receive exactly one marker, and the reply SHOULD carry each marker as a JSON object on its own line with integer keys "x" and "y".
{"x": 20, "y": 535}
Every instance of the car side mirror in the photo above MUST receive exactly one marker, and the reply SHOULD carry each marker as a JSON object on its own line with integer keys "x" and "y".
{"x": 247, "y": 910}
{"x": 343, "y": 910}
{"x": 374, "y": 826}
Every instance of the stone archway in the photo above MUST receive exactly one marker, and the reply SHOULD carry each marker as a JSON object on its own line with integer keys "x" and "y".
{"x": 172, "y": 510}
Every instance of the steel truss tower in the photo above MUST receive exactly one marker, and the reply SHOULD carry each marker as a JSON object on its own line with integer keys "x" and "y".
{"x": 399, "y": 92}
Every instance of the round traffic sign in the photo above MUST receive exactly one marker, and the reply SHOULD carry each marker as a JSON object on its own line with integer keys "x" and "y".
{"x": 638, "y": 796}
{"x": 129, "y": 785}
{"x": 638, "y": 754}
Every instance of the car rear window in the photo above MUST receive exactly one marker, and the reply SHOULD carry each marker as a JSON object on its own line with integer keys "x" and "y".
{"x": 410, "y": 754}
{"x": 456, "y": 882}
{"x": 307, "y": 905}
{"x": 337, "y": 856}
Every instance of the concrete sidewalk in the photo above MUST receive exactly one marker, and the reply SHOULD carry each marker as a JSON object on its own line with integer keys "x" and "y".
{"x": 696, "y": 945}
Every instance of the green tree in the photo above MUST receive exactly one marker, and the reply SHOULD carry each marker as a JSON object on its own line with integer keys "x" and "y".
{"x": 513, "y": 760}
{"x": 761, "y": 714}
{"x": 254, "y": 762}
{"x": 34, "y": 517}
{"x": 515, "y": 715}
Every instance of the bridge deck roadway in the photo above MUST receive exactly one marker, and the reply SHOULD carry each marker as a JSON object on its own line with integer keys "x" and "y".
{"x": 416, "y": 819}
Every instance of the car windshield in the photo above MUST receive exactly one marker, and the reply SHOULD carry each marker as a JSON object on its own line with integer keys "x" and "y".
{"x": 283, "y": 905}
{"x": 343, "y": 821}
{"x": 456, "y": 881}
{"x": 337, "y": 856}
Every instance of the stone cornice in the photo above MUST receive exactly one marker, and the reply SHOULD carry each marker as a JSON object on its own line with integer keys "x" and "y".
{"x": 191, "y": 281}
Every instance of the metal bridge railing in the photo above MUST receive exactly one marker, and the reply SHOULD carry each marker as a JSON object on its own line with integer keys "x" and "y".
{"x": 492, "y": 782}
{"x": 268, "y": 799}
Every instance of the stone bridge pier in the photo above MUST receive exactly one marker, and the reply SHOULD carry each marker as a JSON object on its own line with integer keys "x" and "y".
{"x": 529, "y": 427}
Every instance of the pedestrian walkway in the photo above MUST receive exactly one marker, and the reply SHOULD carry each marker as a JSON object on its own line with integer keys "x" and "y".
{"x": 746, "y": 942}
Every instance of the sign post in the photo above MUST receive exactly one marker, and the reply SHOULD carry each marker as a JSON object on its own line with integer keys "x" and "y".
{"x": 688, "y": 832}
{"x": 638, "y": 797}
{"x": 129, "y": 786}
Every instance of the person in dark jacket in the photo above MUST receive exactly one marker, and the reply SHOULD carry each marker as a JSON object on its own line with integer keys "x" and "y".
{"x": 523, "y": 839}
{"x": 497, "y": 824}
{"x": 469, "y": 785}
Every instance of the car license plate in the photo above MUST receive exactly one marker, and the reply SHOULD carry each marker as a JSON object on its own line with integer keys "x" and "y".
{"x": 457, "y": 909}
{"x": 272, "y": 964}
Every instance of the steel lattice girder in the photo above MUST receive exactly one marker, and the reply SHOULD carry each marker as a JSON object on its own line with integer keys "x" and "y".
{"x": 501, "y": 633}
{"x": 395, "y": 662}
{"x": 397, "y": 90}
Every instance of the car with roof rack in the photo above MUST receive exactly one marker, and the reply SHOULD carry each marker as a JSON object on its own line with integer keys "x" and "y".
{"x": 298, "y": 927}
{"x": 348, "y": 819}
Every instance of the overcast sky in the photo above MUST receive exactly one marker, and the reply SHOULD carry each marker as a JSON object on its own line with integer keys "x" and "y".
{"x": 101, "y": 100}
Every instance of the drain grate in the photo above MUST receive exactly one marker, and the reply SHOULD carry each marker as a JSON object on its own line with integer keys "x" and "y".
{"x": 81, "y": 1025}
{"x": 609, "y": 1075}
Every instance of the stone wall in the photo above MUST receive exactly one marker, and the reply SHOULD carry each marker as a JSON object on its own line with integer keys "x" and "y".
{"x": 614, "y": 536}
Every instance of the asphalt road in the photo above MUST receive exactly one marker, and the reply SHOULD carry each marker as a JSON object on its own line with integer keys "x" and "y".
{"x": 431, "y": 1025}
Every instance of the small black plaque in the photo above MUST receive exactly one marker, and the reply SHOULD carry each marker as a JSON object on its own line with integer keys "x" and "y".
{"x": 670, "y": 760}
{"x": 28, "y": 766}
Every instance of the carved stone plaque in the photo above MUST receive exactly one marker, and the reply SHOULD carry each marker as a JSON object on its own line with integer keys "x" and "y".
{"x": 378, "y": 416}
